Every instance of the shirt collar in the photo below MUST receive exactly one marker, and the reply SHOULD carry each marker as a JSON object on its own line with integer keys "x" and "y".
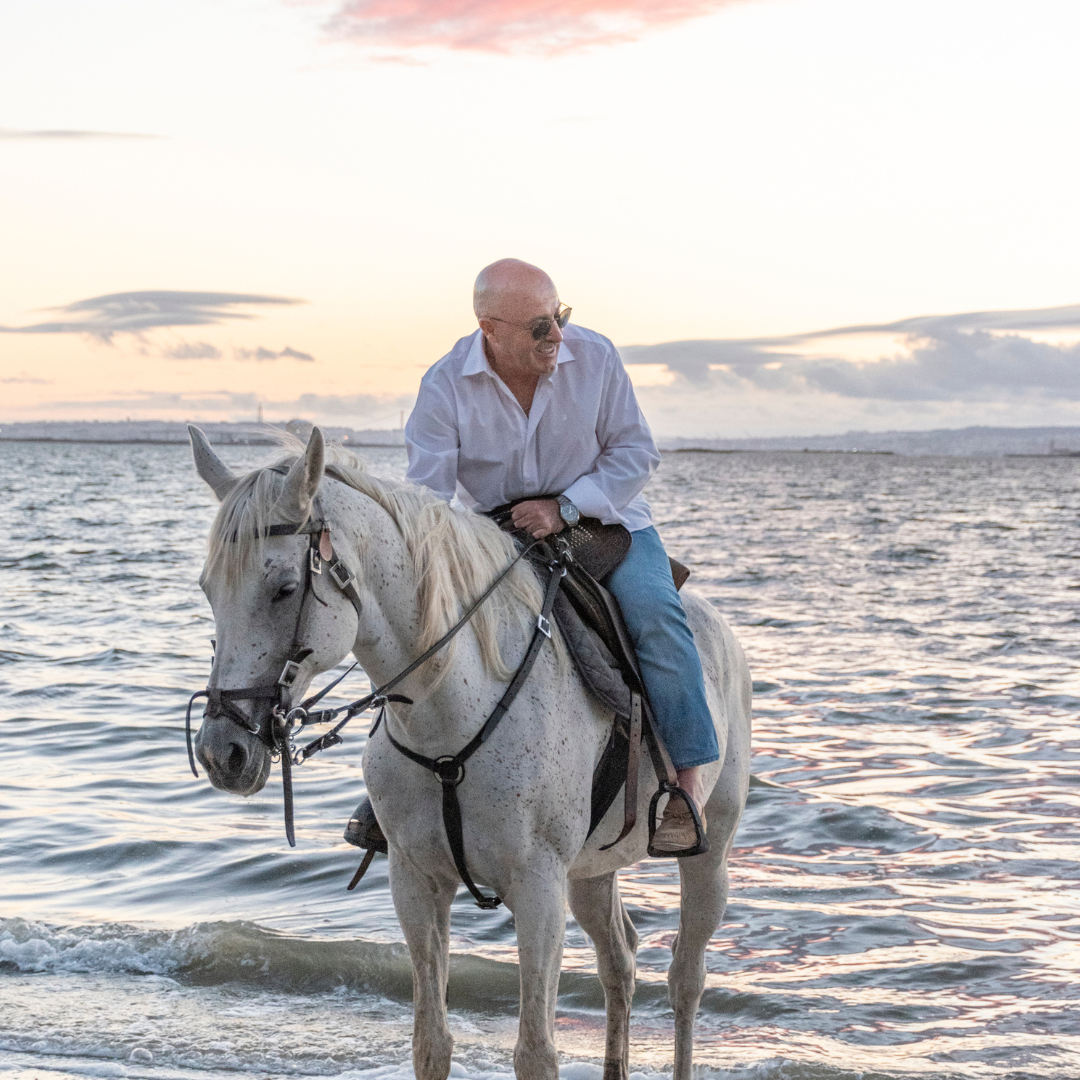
{"x": 476, "y": 362}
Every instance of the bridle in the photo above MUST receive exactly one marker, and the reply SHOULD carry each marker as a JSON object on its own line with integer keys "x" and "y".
{"x": 285, "y": 720}
{"x": 278, "y": 730}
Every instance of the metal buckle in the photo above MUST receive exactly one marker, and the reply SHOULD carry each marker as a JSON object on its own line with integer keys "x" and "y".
{"x": 284, "y": 730}
{"x": 442, "y": 773}
{"x": 341, "y": 574}
{"x": 288, "y": 673}
{"x": 314, "y": 560}
{"x": 543, "y": 626}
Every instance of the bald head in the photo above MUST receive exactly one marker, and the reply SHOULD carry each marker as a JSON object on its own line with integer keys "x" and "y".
{"x": 506, "y": 287}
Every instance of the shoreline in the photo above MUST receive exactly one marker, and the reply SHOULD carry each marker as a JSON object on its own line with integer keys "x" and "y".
{"x": 170, "y": 442}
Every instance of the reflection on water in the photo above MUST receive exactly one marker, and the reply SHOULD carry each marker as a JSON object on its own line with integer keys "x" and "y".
{"x": 904, "y": 895}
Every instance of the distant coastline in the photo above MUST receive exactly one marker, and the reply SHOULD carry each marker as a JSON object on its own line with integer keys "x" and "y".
{"x": 166, "y": 432}
{"x": 1032, "y": 442}
{"x": 1048, "y": 442}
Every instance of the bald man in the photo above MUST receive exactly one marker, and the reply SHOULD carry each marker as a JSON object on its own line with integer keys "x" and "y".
{"x": 531, "y": 404}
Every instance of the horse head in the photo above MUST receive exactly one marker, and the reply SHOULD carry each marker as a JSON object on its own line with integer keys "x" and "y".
{"x": 278, "y": 622}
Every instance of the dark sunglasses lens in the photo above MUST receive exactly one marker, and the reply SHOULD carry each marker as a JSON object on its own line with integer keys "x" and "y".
{"x": 563, "y": 317}
{"x": 541, "y": 329}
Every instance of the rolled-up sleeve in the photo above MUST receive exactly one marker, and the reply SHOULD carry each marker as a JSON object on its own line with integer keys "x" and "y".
{"x": 628, "y": 454}
{"x": 432, "y": 441}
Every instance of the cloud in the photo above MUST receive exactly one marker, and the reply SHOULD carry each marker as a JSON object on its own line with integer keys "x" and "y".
{"x": 510, "y": 26}
{"x": 195, "y": 350}
{"x": 974, "y": 356}
{"x": 203, "y": 350}
{"x": 70, "y": 135}
{"x": 24, "y": 378}
{"x": 137, "y": 312}
{"x": 262, "y": 354}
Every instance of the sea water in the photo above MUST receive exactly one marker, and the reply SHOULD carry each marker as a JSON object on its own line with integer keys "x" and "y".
{"x": 905, "y": 894}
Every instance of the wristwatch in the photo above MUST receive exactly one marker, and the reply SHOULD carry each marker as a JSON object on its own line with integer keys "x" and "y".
{"x": 568, "y": 511}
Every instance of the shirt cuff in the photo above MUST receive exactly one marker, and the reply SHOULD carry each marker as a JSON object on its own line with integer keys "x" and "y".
{"x": 592, "y": 502}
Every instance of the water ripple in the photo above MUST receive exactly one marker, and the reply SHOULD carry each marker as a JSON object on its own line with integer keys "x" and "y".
{"x": 904, "y": 887}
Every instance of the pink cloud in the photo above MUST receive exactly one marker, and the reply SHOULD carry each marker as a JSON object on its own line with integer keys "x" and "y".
{"x": 503, "y": 26}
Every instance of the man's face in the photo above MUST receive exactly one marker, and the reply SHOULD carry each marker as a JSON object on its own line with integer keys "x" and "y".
{"x": 510, "y": 332}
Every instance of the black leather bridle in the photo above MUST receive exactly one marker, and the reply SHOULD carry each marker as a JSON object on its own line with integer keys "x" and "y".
{"x": 284, "y": 720}
{"x": 278, "y": 730}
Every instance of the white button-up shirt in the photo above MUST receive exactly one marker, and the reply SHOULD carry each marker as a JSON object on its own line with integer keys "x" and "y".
{"x": 583, "y": 437}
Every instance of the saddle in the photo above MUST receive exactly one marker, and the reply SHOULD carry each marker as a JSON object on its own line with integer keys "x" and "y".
{"x": 592, "y": 626}
{"x": 591, "y": 623}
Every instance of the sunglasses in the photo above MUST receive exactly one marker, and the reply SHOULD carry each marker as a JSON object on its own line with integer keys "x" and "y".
{"x": 540, "y": 328}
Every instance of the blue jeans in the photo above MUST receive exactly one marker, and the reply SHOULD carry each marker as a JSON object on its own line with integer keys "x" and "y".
{"x": 670, "y": 665}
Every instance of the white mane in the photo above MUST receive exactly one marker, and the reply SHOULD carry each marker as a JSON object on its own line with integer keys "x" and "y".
{"x": 455, "y": 555}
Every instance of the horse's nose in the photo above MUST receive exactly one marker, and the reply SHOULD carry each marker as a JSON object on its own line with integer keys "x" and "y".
{"x": 235, "y": 760}
{"x": 228, "y": 757}
{"x": 238, "y": 758}
{"x": 222, "y": 751}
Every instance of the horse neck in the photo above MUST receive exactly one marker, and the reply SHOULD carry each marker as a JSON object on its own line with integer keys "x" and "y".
{"x": 390, "y": 629}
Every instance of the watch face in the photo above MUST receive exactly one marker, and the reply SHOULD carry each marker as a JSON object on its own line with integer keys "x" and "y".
{"x": 569, "y": 513}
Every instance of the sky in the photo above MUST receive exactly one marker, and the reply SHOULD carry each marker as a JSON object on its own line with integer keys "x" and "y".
{"x": 791, "y": 216}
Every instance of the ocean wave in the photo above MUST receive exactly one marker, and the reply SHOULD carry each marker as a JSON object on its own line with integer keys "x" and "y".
{"x": 212, "y": 954}
{"x": 245, "y": 954}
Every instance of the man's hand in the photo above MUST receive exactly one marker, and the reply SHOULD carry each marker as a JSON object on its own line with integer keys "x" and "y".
{"x": 538, "y": 517}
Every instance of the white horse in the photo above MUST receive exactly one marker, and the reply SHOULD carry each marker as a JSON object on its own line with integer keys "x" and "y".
{"x": 526, "y": 796}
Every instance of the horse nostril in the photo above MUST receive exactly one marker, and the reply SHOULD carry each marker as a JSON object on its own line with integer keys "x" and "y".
{"x": 237, "y": 758}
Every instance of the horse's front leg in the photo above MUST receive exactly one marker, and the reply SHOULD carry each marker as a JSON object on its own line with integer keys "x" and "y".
{"x": 538, "y": 901}
{"x": 423, "y": 904}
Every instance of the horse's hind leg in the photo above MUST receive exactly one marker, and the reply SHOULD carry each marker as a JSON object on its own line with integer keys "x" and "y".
{"x": 599, "y": 911}
{"x": 423, "y": 909}
{"x": 704, "y": 883}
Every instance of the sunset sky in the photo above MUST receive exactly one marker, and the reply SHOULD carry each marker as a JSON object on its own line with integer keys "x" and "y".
{"x": 207, "y": 205}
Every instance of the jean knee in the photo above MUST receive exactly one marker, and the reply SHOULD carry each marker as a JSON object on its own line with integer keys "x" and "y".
{"x": 660, "y": 618}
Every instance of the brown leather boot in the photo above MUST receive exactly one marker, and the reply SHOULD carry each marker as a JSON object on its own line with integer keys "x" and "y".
{"x": 363, "y": 830}
{"x": 676, "y": 834}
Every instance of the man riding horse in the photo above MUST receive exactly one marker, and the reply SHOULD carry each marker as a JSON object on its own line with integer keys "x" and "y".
{"x": 531, "y": 405}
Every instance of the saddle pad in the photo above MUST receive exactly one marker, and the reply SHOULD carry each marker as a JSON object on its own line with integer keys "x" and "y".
{"x": 602, "y": 678}
{"x": 593, "y": 660}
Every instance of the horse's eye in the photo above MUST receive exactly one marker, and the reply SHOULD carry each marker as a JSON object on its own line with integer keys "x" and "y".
{"x": 285, "y": 591}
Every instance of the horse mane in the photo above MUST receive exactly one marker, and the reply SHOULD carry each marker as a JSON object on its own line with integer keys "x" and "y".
{"x": 455, "y": 555}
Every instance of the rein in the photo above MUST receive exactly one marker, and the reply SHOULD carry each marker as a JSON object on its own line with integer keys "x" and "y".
{"x": 279, "y": 732}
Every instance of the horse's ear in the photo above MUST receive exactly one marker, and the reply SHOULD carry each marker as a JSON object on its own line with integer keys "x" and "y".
{"x": 303, "y": 480}
{"x": 209, "y": 466}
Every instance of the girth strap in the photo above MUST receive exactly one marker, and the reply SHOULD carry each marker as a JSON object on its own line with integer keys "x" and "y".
{"x": 451, "y": 769}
